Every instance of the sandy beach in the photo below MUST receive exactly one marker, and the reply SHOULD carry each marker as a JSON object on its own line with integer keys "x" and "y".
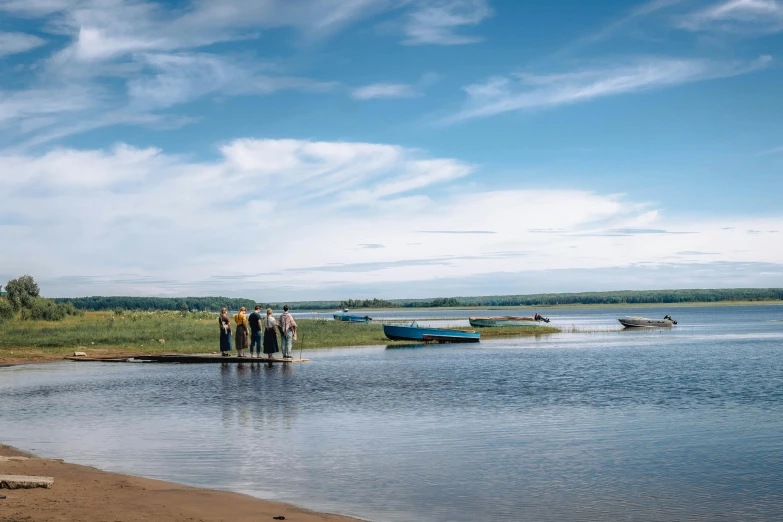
{"x": 82, "y": 493}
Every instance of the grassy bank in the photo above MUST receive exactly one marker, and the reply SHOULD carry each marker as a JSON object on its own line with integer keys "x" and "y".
{"x": 106, "y": 334}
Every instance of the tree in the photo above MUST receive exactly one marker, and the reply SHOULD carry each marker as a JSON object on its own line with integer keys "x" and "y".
{"x": 22, "y": 291}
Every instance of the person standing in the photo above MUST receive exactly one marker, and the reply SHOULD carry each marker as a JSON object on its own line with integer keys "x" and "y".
{"x": 225, "y": 333}
{"x": 270, "y": 334}
{"x": 255, "y": 321}
{"x": 242, "y": 337}
{"x": 287, "y": 332}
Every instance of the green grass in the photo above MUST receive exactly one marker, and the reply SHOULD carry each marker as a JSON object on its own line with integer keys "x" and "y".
{"x": 103, "y": 333}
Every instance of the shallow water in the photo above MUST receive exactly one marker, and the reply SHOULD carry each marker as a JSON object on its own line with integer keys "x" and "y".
{"x": 656, "y": 425}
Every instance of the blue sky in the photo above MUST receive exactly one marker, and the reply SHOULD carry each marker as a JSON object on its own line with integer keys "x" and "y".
{"x": 294, "y": 149}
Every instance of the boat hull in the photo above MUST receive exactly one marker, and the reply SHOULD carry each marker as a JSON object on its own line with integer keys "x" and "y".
{"x": 643, "y": 322}
{"x": 487, "y": 322}
{"x": 414, "y": 333}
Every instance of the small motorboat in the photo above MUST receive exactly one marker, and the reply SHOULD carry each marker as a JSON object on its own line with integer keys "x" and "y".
{"x": 352, "y": 318}
{"x": 483, "y": 322}
{"x": 643, "y": 322}
{"x": 440, "y": 335}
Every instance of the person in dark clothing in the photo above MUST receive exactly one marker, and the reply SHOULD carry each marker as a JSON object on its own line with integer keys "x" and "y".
{"x": 255, "y": 320}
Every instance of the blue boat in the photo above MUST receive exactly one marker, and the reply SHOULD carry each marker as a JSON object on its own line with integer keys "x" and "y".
{"x": 441, "y": 335}
{"x": 352, "y": 318}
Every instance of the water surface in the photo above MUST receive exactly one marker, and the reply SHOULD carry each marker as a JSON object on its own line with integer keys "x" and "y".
{"x": 659, "y": 425}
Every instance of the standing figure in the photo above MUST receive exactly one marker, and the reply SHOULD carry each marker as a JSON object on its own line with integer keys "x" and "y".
{"x": 287, "y": 332}
{"x": 225, "y": 333}
{"x": 270, "y": 334}
{"x": 255, "y": 321}
{"x": 242, "y": 336}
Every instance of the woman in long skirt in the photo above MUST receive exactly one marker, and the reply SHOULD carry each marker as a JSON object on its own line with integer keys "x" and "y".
{"x": 243, "y": 334}
{"x": 225, "y": 333}
{"x": 270, "y": 334}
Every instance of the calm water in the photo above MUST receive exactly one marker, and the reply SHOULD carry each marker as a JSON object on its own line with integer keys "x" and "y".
{"x": 663, "y": 425}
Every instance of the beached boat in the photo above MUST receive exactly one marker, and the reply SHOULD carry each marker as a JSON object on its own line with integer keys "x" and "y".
{"x": 643, "y": 322}
{"x": 483, "y": 322}
{"x": 442, "y": 335}
{"x": 352, "y": 318}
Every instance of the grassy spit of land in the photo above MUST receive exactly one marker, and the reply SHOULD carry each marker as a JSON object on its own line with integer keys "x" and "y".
{"x": 110, "y": 334}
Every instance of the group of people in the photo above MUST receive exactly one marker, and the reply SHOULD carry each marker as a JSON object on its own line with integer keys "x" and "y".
{"x": 256, "y": 331}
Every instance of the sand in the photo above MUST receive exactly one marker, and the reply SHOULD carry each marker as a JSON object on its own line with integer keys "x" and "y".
{"x": 82, "y": 493}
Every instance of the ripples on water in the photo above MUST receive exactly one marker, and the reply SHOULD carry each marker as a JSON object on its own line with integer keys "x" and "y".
{"x": 665, "y": 425}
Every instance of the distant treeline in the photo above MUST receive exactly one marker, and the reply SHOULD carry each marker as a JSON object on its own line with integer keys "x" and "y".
{"x": 209, "y": 304}
{"x": 214, "y": 304}
{"x": 630, "y": 297}
{"x": 399, "y": 303}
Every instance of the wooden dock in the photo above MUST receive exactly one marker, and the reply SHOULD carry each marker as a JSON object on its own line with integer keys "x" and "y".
{"x": 199, "y": 358}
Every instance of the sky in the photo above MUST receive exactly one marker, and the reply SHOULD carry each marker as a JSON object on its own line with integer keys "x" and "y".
{"x": 327, "y": 149}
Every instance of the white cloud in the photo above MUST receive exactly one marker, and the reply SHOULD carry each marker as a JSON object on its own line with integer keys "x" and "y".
{"x": 295, "y": 215}
{"x": 437, "y": 22}
{"x": 741, "y": 16}
{"x": 14, "y": 43}
{"x": 530, "y": 91}
{"x": 384, "y": 90}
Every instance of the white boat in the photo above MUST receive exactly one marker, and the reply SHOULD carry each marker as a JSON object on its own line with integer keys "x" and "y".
{"x": 643, "y": 322}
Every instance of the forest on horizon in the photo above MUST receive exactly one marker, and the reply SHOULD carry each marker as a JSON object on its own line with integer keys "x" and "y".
{"x": 214, "y": 304}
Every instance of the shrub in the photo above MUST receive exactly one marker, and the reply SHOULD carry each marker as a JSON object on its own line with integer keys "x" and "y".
{"x": 6, "y": 310}
{"x": 42, "y": 309}
{"x": 117, "y": 311}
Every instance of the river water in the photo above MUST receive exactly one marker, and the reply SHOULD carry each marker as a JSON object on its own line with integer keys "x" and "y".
{"x": 681, "y": 424}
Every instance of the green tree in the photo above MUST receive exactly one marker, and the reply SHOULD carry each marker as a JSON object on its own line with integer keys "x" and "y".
{"x": 22, "y": 291}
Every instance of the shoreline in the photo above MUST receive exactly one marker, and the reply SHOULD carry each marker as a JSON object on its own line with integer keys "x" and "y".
{"x": 87, "y": 493}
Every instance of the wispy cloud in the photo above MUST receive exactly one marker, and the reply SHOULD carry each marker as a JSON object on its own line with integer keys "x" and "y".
{"x": 525, "y": 91}
{"x": 384, "y": 90}
{"x": 143, "y": 58}
{"x": 14, "y": 43}
{"x": 437, "y": 22}
{"x": 637, "y": 13}
{"x": 740, "y": 16}
{"x": 771, "y": 152}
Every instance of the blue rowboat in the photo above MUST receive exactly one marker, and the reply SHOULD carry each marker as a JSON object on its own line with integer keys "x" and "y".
{"x": 441, "y": 335}
{"x": 352, "y": 318}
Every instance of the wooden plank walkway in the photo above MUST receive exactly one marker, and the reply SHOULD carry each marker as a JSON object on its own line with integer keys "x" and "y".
{"x": 199, "y": 358}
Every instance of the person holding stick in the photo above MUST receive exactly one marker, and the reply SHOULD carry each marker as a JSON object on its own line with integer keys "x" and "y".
{"x": 287, "y": 332}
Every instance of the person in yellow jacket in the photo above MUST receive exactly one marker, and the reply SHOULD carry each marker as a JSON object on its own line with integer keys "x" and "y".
{"x": 242, "y": 335}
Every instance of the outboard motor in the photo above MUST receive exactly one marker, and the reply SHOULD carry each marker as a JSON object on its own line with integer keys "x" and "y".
{"x": 540, "y": 317}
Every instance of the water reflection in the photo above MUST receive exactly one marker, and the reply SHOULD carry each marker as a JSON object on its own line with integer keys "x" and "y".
{"x": 251, "y": 402}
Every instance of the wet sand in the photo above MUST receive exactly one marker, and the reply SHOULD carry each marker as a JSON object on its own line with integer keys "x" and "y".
{"x": 82, "y": 493}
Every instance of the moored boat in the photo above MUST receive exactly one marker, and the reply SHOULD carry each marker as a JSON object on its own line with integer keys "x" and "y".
{"x": 643, "y": 322}
{"x": 483, "y": 322}
{"x": 352, "y": 318}
{"x": 442, "y": 335}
